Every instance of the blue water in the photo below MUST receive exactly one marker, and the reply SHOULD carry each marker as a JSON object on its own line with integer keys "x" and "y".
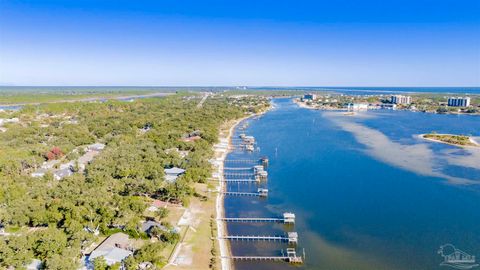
{"x": 356, "y": 207}
{"x": 10, "y": 108}
{"x": 386, "y": 90}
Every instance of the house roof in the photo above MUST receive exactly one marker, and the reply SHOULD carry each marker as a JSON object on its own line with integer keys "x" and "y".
{"x": 34, "y": 265}
{"x": 39, "y": 172}
{"x": 158, "y": 203}
{"x": 96, "y": 146}
{"x": 112, "y": 255}
{"x": 63, "y": 173}
{"x": 171, "y": 178}
{"x": 87, "y": 157}
{"x": 147, "y": 225}
{"x": 191, "y": 139}
{"x": 174, "y": 171}
{"x": 113, "y": 248}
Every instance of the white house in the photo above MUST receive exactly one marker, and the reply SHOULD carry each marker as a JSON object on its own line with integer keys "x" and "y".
{"x": 96, "y": 147}
{"x": 39, "y": 173}
{"x": 172, "y": 174}
{"x": 114, "y": 249}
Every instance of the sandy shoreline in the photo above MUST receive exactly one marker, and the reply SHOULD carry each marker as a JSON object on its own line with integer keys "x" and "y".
{"x": 225, "y": 250}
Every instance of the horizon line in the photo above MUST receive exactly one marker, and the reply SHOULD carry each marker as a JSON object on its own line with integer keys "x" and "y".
{"x": 247, "y": 86}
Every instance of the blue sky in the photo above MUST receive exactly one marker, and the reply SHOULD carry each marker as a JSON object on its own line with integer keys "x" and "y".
{"x": 257, "y": 43}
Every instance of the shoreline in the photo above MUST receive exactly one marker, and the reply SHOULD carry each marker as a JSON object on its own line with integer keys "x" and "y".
{"x": 476, "y": 144}
{"x": 306, "y": 106}
{"x": 225, "y": 250}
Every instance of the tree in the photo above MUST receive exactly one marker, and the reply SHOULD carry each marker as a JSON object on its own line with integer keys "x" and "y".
{"x": 99, "y": 263}
{"x": 169, "y": 237}
{"x": 115, "y": 186}
{"x": 151, "y": 252}
{"x": 442, "y": 110}
{"x": 57, "y": 262}
{"x": 130, "y": 263}
{"x": 49, "y": 242}
{"x": 162, "y": 213}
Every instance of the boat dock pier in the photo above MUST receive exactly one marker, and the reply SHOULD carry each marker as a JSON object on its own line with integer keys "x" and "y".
{"x": 261, "y": 192}
{"x": 243, "y": 180}
{"x": 238, "y": 168}
{"x": 251, "y": 170}
{"x": 233, "y": 174}
{"x": 291, "y": 257}
{"x": 291, "y": 238}
{"x": 288, "y": 218}
{"x": 262, "y": 161}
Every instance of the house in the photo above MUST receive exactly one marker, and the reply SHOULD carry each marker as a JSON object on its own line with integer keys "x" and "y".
{"x": 192, "y": 136}
{"x": 86, "y": 159}
{"x": 11, "y": 120}
{"x": 96, "y": 147}
{"x": 36, "y": 264}
{"x": 172, "y": 174}
{"x": 39, "y": 173}
{"x": 114, "y": 249}
{"x": 50, "y": 164}
{"x": 191, "y": 139}
{"x": 147, "y": 226}
{"x": 62, "y": 173}
{"x": 157, "y": 204}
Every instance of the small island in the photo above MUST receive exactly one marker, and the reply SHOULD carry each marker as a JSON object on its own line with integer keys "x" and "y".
{"x": 453, "y": 139}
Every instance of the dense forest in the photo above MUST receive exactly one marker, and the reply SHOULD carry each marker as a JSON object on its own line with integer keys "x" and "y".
{"x": 52, "y": 220}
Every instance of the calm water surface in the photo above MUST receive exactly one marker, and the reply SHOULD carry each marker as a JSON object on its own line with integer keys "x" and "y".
{"x": 367, "y": 192}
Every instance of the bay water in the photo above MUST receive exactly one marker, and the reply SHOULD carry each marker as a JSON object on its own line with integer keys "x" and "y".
{"x": 367, "y": 192}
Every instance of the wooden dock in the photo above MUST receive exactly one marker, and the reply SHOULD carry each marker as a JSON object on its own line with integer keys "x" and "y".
{"x": 261, "y": 192}
{"x": 238, "y": 174}
{"x": 252, "y": 219}
{"x": 291, "y": 257}
{"x": 243, "y": 180}
{"x": 254, "y": 161}
{"x": 291, "y": 237}
{"x": 254, "y": 194}
{"x": 295, "y": 260}
{"x": 288, "y": 218}
{"x": 238, "y": 168}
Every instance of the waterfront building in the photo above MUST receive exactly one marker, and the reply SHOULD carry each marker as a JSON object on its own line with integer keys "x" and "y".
{"x": 459, "y": 101}
{"x": 357, "y": 106}
{"x": 388, "y": 106}
{"x": 399, "y": 99}
{"x": 309, "y": 96}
